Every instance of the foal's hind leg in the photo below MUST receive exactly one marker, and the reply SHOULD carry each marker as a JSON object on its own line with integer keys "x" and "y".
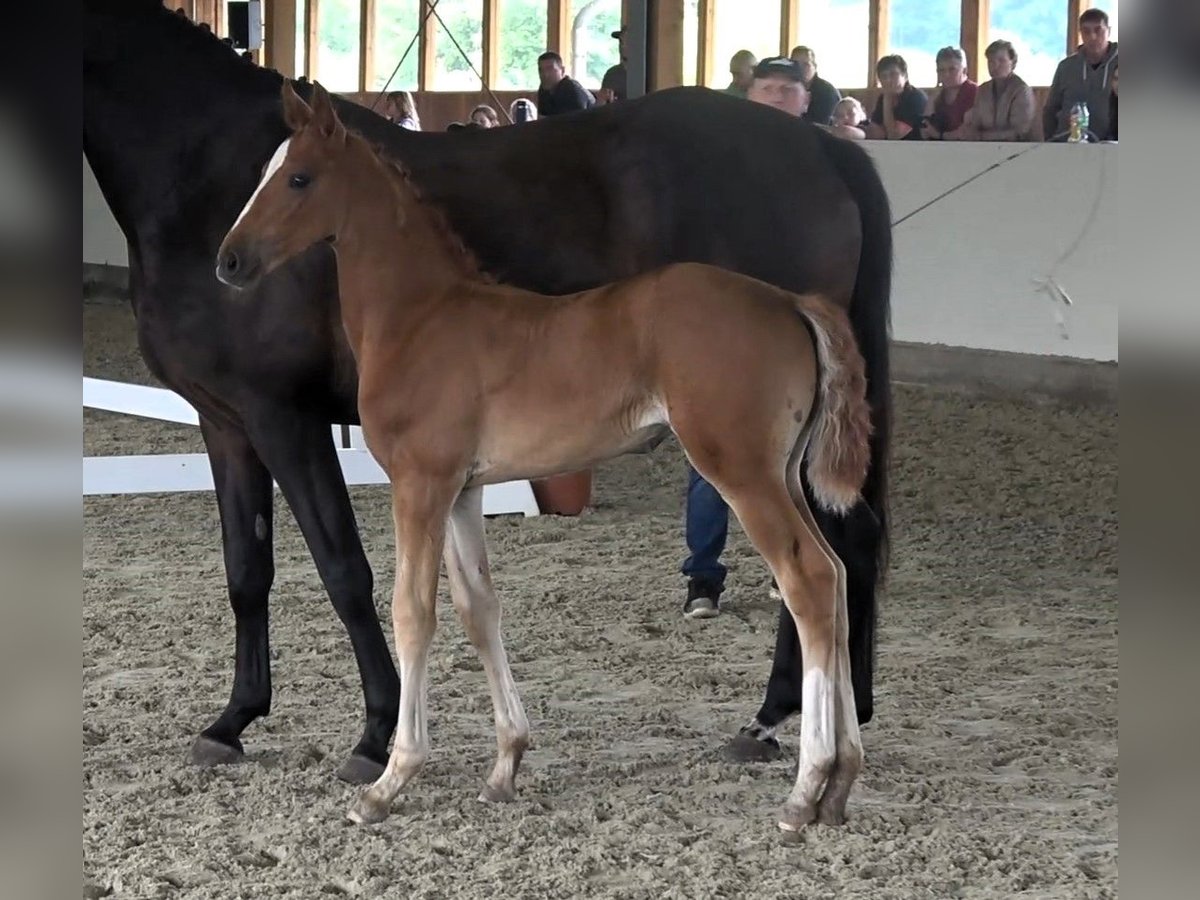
{"x": 477, "y": 605}
{"x": 420, "y": 506}
{"x": 807, "y": 577}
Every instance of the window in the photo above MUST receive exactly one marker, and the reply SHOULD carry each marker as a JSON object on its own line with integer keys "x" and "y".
{"x": 1038, "y": 31}
{"x": 691, "y": 40}
{"x": 301, "y": 31}
{"x": 837, "y": 32}
{"x": 918, "y": 29}
{"x": 593, "y": 48}
{"x": 743, "y": 25}
{"x": 395, "y": 28}
{"x": 337, "y": 44}
{"x": 451, "y": 71}
{"x": 522, "y": 38}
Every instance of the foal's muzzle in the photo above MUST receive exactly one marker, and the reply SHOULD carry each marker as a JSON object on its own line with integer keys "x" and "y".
{"x": 237, "y": 269}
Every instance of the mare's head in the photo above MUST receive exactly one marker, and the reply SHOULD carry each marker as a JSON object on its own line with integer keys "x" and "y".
{"x": 301, "y": 199}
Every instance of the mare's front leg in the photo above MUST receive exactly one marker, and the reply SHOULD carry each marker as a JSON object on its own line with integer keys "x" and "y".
{"x": 478, "y": 607}
{"x": 244, "y": 501}
{"x": 420, "y": 506}
{"x": 298, "y": 449}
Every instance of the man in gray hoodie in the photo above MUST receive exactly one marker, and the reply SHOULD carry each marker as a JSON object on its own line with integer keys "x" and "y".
{"x": 1084, "y": 75}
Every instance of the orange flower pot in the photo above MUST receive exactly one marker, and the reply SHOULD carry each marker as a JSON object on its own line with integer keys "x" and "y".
{"x": 563, "y": 495}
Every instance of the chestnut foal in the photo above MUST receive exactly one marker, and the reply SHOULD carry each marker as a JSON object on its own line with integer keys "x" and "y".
{"x": 464, "y": 382}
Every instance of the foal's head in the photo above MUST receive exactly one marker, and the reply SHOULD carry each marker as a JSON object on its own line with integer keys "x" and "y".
{"x": 301, "y": 199}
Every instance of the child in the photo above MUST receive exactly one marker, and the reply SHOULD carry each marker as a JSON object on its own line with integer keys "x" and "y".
{"x": 849, "y": 119}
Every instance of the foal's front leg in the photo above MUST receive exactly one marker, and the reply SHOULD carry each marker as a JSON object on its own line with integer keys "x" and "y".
{"x": 419, "y": 510}
{"x": 477, "y": 605}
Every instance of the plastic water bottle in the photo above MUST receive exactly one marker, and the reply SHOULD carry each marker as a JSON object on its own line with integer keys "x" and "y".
{"x": 1079, "y": 123}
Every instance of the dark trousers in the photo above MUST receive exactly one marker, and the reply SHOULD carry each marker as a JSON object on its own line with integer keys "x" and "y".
{"x": 707, "y": 524}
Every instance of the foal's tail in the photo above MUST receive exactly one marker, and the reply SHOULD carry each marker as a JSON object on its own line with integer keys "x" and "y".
{"x": 839, "y": 450}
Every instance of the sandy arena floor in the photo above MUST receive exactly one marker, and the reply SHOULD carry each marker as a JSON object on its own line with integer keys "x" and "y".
{"x": 991, "y": 765}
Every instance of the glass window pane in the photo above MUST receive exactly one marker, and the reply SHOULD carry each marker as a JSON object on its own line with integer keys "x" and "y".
{"x": 301, "y": 13}
{"x": 395, "y": 26}
{"x": 522, "y": 38}
{"x": 918, "y": 29}
{"x": 691, "y": 39}
{"x": 1038, "y": 31}
{"x": 743, "y": 25}
{"x": 837, "y": 32}
{"x": 451, "y": 71}
{"x": 593, "y": 48}
{"x": 337, "y": 44}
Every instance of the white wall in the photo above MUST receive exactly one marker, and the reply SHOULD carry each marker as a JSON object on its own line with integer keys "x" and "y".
{"x": 966, "y": 266}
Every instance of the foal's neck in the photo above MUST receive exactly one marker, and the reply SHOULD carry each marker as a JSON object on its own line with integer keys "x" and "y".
{"x": 394, "y": 254}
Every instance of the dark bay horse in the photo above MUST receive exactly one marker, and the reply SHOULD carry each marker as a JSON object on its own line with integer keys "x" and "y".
{"x": 465, "y": 382}
{"x": 177, "y": 129}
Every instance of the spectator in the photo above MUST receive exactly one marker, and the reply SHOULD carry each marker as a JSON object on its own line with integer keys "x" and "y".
{"x": 484, "y": 116}
{"x": 1004, "y": 106}
{"x": 1112, "y": 107}
{"x": 948, "y": 108}
{"x": 849, "y": 119}
{"x": 900, "y": 107}
{"x": 822, "y": 96}
{"x": 615, "y": 84}
{"x": 522, "y": 110}
{"x": 402, "y": 110}
{"x": 559, "y": 92}
{"x": 741, "y": 71}
{"x": 1082, "y": 77}
{"x": 779, "y": 82}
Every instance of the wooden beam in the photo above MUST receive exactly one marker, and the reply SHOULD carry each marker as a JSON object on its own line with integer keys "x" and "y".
{"x": 705, "y": 43}
{"x": 665, "y": 68}
{"x": 279, "y": 42}
{"x": 976, "y": 16}
{"x": 558, "y": 29}
{"x": 491, "y": 42}
{"x": 311, "y": 38}
{"x": 426, "y": 47}
{"x": 877, "y": 35}
{"x": 1075, "y": 9}
{"x": 789, "y": 25}
{"x": 366, "y": 44}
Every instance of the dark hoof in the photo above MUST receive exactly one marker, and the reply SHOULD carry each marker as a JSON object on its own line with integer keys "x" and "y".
{"x": 492, "y": 794}
{"x": 359, "y": 770}
{"x": 828, "y": 815}
{"x": 745, "y": 749}
{"x": 209, "y": 752}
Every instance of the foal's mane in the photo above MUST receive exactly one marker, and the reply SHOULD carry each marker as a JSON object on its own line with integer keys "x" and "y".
{"x": 437, "y": 216}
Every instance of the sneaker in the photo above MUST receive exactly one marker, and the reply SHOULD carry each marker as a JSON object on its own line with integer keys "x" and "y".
{"x": 703, "y": 600}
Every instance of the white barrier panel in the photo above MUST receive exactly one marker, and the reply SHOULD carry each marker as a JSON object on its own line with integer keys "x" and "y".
{"x": 172, "y": 472}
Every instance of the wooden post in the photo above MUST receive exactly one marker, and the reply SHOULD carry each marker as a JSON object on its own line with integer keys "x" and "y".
{"x": 665, "y": 68}
{"x": 705, "y": 43}
{"x": 877, "y": 35}
{"x": 558, "y": 29}
{"x": 279, "y": 42}
{"x": 366, "y": 44}
{"x": 311, "y": 10}
{"x": 1075, "y": 9}
{"x": 491, "y": 42}
{"x": 976, "y": 15}
{"x": 789, "y": 25}
{"x": 426, "y": 48}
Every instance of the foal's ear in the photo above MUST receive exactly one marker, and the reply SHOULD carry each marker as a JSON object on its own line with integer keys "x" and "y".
{"x": 324, "y": 117}
{"x": 296, "y": 113}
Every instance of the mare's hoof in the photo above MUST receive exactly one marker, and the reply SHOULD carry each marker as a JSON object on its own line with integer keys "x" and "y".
{"x": 745, "y": 749}
{"x": 492, "y": 794}
{"x": 208, "y": 752}
{"x": 794, "y": 819}
{"x": 359, "y": 770}
{"x": 828, "y": 815}
{"x": 367, "y": 810}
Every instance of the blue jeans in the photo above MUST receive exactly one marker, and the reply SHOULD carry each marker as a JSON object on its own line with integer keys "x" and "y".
{"x": 707, "y": 523}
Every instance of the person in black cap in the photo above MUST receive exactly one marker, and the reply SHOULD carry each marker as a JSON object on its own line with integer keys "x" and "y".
{"x": 779, "y": 82}
{"x": 615, "y": 84}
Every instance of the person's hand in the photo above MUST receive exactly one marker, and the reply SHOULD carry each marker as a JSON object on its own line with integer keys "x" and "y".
{"x": 930, "y": 133}
{"x": 605, "y": 95}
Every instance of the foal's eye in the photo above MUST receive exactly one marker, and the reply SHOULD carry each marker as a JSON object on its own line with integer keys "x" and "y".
{"x": 299, "y": 181}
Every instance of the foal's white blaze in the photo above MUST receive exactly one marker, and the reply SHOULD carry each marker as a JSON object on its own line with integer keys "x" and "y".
{"x": 272, "y": 168}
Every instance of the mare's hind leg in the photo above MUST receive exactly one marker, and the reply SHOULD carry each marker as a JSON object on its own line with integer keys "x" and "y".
{"x": 420, "y": 506}
{"x": 244, "y": 501}
{"x": 478, "y": 607}
{"x": 808, "y": 579}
